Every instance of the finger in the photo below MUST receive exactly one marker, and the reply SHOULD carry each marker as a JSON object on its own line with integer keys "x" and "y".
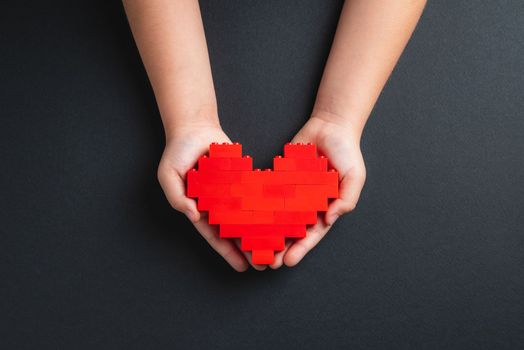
{"x": 249, "y": 258}
{"x": 279, "y": 256}
{"x": 300, "y": 248}
{"x": 175, "y": 191}
{"x": 226, "y": 248}
{"x": 351, "y": 186}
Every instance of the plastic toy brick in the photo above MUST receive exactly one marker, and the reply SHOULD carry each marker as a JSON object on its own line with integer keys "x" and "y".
{"x": 262, "y": 207}
{"x": 279, "y": 191}
{"x": 329, "y": 190}
{"x": 263, "y": 257}
{"x": 294, "y": 164}
{"x": 225, "y": 150}
{"x": 315, "y": 202}
{"x": 263, "y": 243}
{"x": 219, "y": 203}
{"x": 193, "y": 183}
{"x": 247, "y": 189}
{"x": 299, "y": 150}
{"x": 218, "y": 177}
{"x": 296, "y": 217}
{"x": 239, "y": 231}
{"x": 213, "y": 190}
{"x": 244, "y": 163}
{"x": 262, "y": 203}
{"x": 263, "y": 217}
{"x": 230, "y": 217}
{"x": 205, "y": 163}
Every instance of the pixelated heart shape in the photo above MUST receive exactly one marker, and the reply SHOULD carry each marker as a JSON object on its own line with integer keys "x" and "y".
{"x": 262, "y": 208}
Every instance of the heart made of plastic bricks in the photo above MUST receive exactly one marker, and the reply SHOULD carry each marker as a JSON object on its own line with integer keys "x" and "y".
{"x": 262, "y": 207}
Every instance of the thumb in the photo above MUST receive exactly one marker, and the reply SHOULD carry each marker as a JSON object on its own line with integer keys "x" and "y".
{"x": 175, "y": 190}
{"x": 351, "y": 185}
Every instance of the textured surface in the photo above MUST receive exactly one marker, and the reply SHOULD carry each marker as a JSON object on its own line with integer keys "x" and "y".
{"x": 262, "y": 208}
{"x": 91, "y": 255}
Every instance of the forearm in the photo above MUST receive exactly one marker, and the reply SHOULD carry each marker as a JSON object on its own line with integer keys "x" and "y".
{"x": 171, "y": 40}
{"x": 370, "y": 37}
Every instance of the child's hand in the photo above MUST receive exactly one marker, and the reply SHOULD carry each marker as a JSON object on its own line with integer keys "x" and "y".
{"x": 341, "y": 144}
{"x": 183, "y": 148}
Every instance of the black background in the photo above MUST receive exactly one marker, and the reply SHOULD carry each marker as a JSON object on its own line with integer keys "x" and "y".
{"x": 92, "y": 256}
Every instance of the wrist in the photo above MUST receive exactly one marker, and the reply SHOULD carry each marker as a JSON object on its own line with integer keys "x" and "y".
{"x": 202, "y": 117}
{"x": 342, "y": 110}
{"x": 326, "y": 120}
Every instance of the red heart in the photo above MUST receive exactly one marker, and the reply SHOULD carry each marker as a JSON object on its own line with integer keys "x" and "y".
{"x": 262, "y": 208}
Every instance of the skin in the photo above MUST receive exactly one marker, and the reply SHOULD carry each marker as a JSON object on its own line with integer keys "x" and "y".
{"x": 370, "y": 37}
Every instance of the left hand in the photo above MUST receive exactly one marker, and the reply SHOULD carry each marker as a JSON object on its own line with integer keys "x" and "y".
{"x": 340, "y": 143}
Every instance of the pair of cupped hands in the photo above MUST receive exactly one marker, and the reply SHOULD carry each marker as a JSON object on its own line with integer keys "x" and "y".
{"x": 339, "y": 141}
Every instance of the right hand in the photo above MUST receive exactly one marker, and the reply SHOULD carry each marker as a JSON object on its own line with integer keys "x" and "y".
{"x": 183, "y": 148}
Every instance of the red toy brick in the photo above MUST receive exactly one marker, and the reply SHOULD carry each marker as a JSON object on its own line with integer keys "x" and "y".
{"x": 262, "y": 203}
{"x": 219, "y": 203}
{"x": 230, "y": 217}
{"x": 300, "y": 164}
{"x": 323, "y": 163}
{"x": 213, "y": 190}
{"x": 263, "y": 257}
{"x": 247, "y": 189}
{"x": 314, "y": 202}
{"x": 192, "y": 183}
{"x": 329, "y": 190}
{"x": 263, "y": 243}
{"x": 205, "y": 163}
{"x": 296, "y": 217}
{"x": 225, "y": 150}
{"x": 294, "y": 231}
{"x": 279, "y": 191}
{"x": 244, "y": 163}
{"x": 255, "y": 176}
{"x": 299, "y": 150}
{"x": 263, "y": 217}
{"x": 239, "y": 231}
{"x": 218, "y": 177}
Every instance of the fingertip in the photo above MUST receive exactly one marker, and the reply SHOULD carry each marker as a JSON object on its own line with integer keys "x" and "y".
{"x": 192, "y": 216}
{"x": 276, "y": 265}
{"x": 192, "y": 207}
{"x": 291, "y": 258}
{"x": 238, "y": 262}
{"x": 196, "y": 216}
{"x": 241, "y": 268}
{"x": 289, "y": 262}
{"x": 279, "y": 256}
{"x": 259, "y": 267}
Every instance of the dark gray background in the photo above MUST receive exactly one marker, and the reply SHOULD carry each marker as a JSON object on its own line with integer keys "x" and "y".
{"x": 92, "y": 256}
